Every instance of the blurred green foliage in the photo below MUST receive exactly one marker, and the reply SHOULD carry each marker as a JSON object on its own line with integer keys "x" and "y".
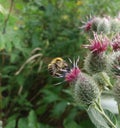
{"x": 36, "y": 32}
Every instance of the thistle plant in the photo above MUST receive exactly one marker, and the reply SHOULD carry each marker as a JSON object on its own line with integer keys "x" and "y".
{"x": 101, "y": 73}
{"x": 87, "y": 26}
{"x": 86, "y": 90}
{"x": 95, "y": 61}
{"x": 106, "y": 25}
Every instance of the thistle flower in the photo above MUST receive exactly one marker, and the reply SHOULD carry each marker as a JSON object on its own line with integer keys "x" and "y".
{"x": 95, "y": 62}
{"x": 87, "y": 25}
{"x": 99, "y": 44}
{"x": 116, "y": 90}
{"x": 73, "y": 73}
{"x": 116, "y": 43}
{"x": 86, "y": 90}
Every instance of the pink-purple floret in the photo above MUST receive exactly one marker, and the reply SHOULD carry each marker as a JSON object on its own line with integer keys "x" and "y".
{"x": 72, "y": 75}
{"x": 98, "y": 44}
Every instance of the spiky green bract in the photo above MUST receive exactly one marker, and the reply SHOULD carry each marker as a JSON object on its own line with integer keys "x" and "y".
{"x": 95, "y": 63}
{"x": 86, "y": 90}
{"x": 103, "y": 80}
{"x": 95, "y": 23}
{"x": 115, "y": 25}
{"x": 104, "y": 26}
{"x": 113, "y": 63}
{"x": 116, "y": 90}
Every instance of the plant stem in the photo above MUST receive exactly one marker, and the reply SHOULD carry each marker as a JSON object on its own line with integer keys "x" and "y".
{"x": 118, "y": 108}
{"x": 6, "y": 20}
{"x": 101, "y": 111}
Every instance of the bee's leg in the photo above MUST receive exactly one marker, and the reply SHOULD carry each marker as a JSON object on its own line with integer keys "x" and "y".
{"x": 58, "y": 75}
{"x": 64, "y": 70}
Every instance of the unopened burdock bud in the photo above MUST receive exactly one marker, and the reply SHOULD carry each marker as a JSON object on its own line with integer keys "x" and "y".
{"x": 87, "y": 25}
{"x": 96, "y": 60}
{"x": 95, "y": 63}
{"x": 115, "y": 25}
{"x": 104, "y": 26}
{"x": 95, "y": 23}
{"x": 86, "y": 90}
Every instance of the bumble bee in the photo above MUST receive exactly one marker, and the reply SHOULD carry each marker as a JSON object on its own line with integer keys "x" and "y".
{"x": 58, "y": 67}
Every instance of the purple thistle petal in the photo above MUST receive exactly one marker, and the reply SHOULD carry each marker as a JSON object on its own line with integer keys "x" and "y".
{"x": 98, "y": 44}
{"x": 72, "y": 75}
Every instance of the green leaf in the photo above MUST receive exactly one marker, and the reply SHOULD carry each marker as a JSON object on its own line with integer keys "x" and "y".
{"x": 111, "y": 116}
{"x": 20, "y": 80}
{"x": 41, "y": 125}
{"x": 50, "y": 96}
{"x": 14, "y": 57}
{"x": 23, "y": 123}
{"x": 3, "y": 10}
{"x": 97, "y": 118}
{"x": 8, "y": 46}
{"x": 1, "y": 123}
{"x": 40, "y": 110}
{"x": 87, "y": 124}
{"x": 70, "y": 124}
{"x": 2, "y": 44}
{"x": 118, "y": 122}
{"x": 32, "y": 120}
{"x": 73, "y": 112}
{"x": 59, "y": 108}
{"x": 11, "y": 124}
